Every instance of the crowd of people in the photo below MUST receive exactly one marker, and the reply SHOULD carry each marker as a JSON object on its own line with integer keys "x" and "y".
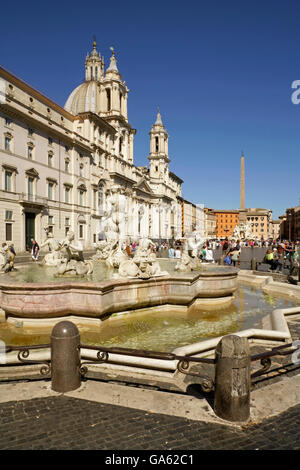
{"x": 279, "y": 253}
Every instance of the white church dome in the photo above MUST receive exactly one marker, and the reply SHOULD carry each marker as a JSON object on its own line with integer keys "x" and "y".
{"x": 86, "y": 97}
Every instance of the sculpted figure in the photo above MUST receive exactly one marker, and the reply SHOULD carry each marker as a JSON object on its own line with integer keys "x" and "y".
{"x": 73, "y": 262}
{"x": 51, "y": 259}
{"x": 8, "y": 258}
{"x": 194, "y": 243}
{"x": 186, "y": 263}
{"x": 144, "y": 264}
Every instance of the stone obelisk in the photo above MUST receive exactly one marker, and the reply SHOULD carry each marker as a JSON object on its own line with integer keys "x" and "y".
{"x": 242, "y": 211}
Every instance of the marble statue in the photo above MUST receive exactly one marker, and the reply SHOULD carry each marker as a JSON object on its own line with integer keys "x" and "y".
{"x": 194, "y": 243}
{"x": 242, "y": 231}
{"x": 143, "y": 265}
{"x": 187, "y": 263}
{"x": 72, "y": 262}
{"x": 52, "y": 258}
{"x": 7, "y": 263}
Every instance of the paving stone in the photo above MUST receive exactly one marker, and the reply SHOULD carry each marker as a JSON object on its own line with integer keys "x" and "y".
{"x": 71, "y": 423}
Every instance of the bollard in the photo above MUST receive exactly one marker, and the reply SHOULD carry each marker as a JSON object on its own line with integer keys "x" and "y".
{"x": 232, "y": 379}
{"x": 65, "y": 357}
{"x": 253, "y": 264}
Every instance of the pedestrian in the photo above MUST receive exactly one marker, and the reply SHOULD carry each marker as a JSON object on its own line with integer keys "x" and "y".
{"x": 177, "y": 253}
{"x": 235, "y": 257}
{"x": 35, "y": 251}
{"x": 209, "y": 257}
{"x": 171, "y": 252}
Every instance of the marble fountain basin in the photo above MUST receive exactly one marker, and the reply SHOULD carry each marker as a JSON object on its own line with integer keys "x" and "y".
{"x": 87, "y": 298}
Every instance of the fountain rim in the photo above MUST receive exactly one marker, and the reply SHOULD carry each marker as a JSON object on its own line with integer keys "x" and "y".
{"x": 188, "y": 278}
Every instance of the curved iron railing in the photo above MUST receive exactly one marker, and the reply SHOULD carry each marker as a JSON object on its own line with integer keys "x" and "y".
{"x": 24, "y": 352}
{"x": 206, "y": 382}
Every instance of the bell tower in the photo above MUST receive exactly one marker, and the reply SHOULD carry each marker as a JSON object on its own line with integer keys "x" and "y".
{"x": 159, "y": 158}
{"x": 114, "y": 91}
{"x": 94, "y": 65}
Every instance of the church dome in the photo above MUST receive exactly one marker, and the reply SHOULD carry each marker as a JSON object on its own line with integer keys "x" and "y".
{"x": 86, "y": 97}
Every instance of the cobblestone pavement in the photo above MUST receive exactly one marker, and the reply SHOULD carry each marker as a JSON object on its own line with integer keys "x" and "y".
{"x": 69, "y": 423}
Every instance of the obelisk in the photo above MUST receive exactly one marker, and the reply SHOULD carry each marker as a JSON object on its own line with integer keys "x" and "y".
{"x": 242, "y": 211}
{"x": 242, "y": 201}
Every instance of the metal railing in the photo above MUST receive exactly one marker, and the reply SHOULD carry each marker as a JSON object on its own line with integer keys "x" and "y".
{"x": 103, "y": 355}
{"x": 232, "y": 380}
{"x": 24, "y": 352}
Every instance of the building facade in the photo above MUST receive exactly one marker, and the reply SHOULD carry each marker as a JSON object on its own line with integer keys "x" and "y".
{"x": 61, "y": 166}
{"x": 290, "y": 224}
{"x": 260, "y": 222}
{"x": 210, "y": 223}
{"x": 226, "y": 221}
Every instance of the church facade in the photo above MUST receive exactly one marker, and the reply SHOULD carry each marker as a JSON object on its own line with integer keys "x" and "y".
{"x": 60, "y": 165}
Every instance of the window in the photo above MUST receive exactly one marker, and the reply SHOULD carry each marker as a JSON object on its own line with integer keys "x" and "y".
{"x": 67, "y": 166}
{"x": 8, "y": 180}
{"x": 67, "y": 221}
{"x": 50, "y": 159}
{"x": 50, "y": 190}
{"x": 120, "y": 144}
{"x": 100, "y": 195}
{"x": 67, "y": 194}
{"x": 80, "y": 231}
{"x": 8, "y": 232}
{"x": 8, "y": 121}
{"x": 50, "y": 219}
{"x": 30, "y": 186}
{"x": 67, "y": 149}
{"x": 50, "y": 140}
{"x": 30, "y": 131}
{"x": 30, "y": 151}
{"x": 156, "y": 144}
{"x": 81, "y": 170}
{"x": 8, "y": 215}
{"x": 7, "y": 143}
{"x": 81, "y": 197}
{"x": 108, "y": 99}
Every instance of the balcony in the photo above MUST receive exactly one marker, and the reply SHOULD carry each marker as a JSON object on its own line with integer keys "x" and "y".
{"x": 32, "y": 199}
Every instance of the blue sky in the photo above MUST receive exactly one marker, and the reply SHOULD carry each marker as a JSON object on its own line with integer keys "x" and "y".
{"x": 221, "y": 73}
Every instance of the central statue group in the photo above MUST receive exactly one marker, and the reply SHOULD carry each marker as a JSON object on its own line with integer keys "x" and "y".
{"x": 66, "y": 255}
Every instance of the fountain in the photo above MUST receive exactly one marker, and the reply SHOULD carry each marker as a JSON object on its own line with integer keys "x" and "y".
{"x": 111, "y": 282}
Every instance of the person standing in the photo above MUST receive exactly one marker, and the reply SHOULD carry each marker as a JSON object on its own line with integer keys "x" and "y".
{"x": 177, "y": 253}
{"x": 35, "y": 250}
{"x": 171, "y": 252}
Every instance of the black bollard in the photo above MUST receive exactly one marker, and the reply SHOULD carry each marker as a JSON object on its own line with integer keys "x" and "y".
{"x": 65, "y": 357}
{"x": 232, "y": 379}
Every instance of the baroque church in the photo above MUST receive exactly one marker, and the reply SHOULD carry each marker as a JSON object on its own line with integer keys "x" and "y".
{"x": 60, "y": 166}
